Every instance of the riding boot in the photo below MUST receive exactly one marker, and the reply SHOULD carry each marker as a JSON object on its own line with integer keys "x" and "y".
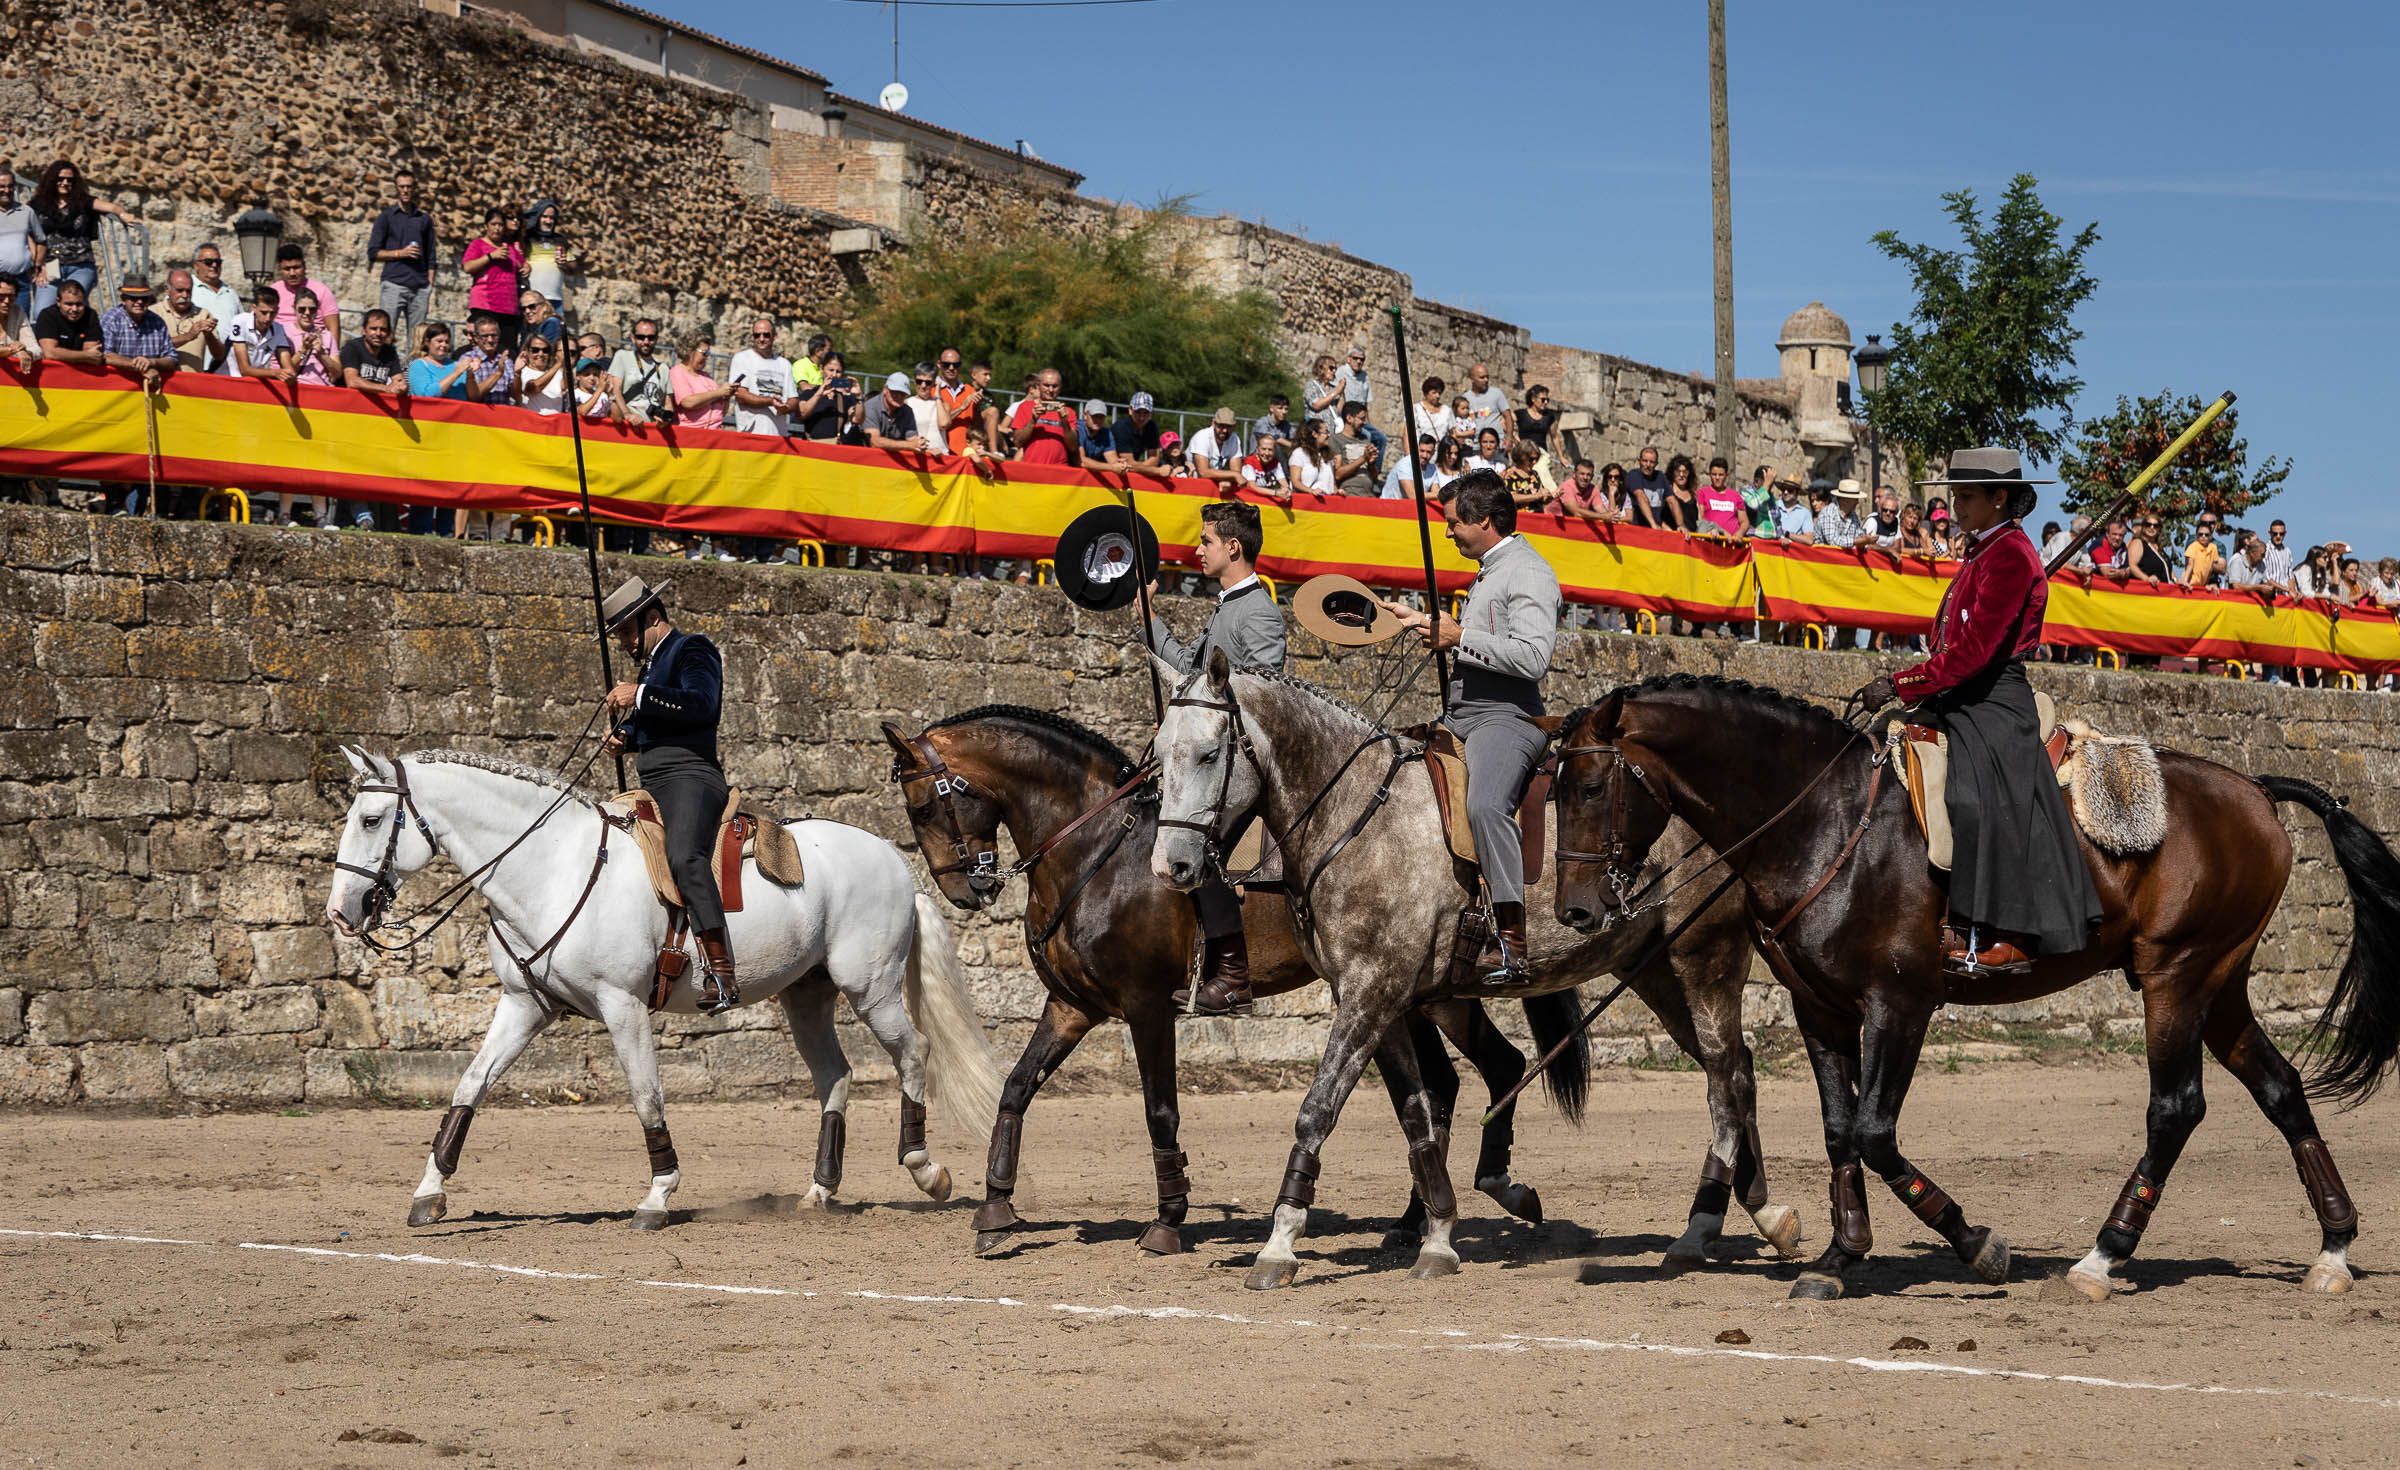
{"x": 1982, "y": 951}
{"x": 719, "y": 990}
{"x": 1224, "y": 988}
{"x": 1507, "y": 956}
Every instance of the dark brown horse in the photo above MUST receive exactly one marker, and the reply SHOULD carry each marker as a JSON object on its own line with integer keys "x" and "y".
{"x": 1111, "y": 942}
{"x": 1861, "y": 954}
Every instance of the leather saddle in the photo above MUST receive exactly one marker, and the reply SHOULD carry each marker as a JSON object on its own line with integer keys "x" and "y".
{"x": 1925, "y": 766}
{"x": 1446, "y": 764}
{"x": 742, "y": 832}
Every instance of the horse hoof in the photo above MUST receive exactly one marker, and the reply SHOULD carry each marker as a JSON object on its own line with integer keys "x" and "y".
{"x": 1990, "y": 1261}
{"x": 1162, "y": 1239}
{"x": 816, "y": 1197}
{"x": 2091, "y": 1288}
{"x": 2333, "y": 1280}
{"x": 1780, "y": 1224}
{"x": 1817, "y": 1288}
{"x": 1432, "y": 1265}
{"x": 426, "y": 1209}
{"x": 1271, "y": 1275}
{"x": 937, "y": 1184}
{"x": 1520, "y": 1200}
{"x": 990, "y": 1242}
{"x": 1398, "y": 1239}
{"x": 648, "y": 1220}
{"x": 1681, "y": 1259}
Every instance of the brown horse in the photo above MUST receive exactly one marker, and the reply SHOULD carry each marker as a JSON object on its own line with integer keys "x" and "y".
{"x": 1111, "y": 942}
{"x": 1849, "y": 914}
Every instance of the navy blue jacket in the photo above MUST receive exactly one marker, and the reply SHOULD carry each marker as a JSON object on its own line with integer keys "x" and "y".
{"x": 682, "y": 691}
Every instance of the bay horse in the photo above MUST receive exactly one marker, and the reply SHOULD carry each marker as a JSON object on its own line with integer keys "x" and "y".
{"x": 1110, "y": 942}
{"x": 569, "y": 893}
{"x": 1849, "y": 915}
{"x": 1369, "y": 871}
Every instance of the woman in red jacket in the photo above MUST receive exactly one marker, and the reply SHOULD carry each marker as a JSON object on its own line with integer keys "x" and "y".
{"x": 2018, "y": 885}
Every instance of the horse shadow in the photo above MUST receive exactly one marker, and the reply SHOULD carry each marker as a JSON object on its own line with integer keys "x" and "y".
{"x": 756, "y": 1208}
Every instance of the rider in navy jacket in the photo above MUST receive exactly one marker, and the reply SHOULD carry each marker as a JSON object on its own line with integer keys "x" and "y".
{"x": 677, "y": 701}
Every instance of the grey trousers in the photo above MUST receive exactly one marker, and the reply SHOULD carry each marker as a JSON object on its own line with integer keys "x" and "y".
{"x": 1502, "y": 748}
{"x": 407, "y": 304}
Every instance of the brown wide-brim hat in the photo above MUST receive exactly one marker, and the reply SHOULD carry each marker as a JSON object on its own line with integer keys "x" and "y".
{"x": 1344, "y": 611}
{"x": 631, "y": 596}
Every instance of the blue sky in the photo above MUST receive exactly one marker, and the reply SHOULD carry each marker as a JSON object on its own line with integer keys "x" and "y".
{"x": 1548, "y": 164}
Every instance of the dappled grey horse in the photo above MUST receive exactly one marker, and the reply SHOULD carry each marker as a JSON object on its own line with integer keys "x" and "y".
{"x": 1366, "y": 859}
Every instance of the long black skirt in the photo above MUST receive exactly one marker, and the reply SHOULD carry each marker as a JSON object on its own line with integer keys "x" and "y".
{"x": 2015, "y": 865}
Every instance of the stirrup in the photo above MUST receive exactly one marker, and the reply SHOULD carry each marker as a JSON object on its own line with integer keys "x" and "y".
{"x": 716, "y": 993}
{"x": 1215, "y": 996}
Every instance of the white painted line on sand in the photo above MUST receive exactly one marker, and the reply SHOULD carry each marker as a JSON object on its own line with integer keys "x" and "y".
{"x": 1449, "y": 1338}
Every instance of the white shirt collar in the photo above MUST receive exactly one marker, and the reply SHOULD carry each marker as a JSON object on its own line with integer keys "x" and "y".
{"x": 1990, "y": 531}
{"x": 1249, "y": 581}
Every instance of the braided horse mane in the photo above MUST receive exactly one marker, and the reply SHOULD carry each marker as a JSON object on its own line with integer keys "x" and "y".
{"x": 1764, "y": 696}
{"x": 1074, "y": 730}
{"x": 498, "y": 765}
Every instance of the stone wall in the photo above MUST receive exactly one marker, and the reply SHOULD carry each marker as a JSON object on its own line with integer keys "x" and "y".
{"x": 170, "y": 791}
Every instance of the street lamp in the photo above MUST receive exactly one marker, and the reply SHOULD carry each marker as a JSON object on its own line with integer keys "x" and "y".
{"x": 1872, "y": 359}
{"x": 259, "y": 232}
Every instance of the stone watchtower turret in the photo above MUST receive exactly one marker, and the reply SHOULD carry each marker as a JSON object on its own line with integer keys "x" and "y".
{"x": 1815, "y": 345}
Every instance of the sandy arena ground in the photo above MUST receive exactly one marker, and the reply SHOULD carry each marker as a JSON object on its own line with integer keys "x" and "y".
{"x": 532, "y": 1328}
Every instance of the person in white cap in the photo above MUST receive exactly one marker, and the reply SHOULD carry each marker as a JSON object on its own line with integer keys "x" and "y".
{"x": 1133, "y": 441}
{"x": 890, "y": 423}
{"x": 1097, "y": 441}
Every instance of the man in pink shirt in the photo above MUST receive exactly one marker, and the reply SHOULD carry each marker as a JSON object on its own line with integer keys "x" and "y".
{"x": 1721, "y": 507}
{"x": 291, "y": 270}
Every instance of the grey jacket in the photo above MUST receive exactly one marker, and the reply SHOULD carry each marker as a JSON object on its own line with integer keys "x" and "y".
{"x": 1246, "y": 624}
{"x": 1507, "y": 629}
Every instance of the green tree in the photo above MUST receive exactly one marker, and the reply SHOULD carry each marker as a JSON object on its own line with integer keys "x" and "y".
{"x": 1990, "y": 347}
{"x": 1116, "y": 310}
{"x": 2213, "y": 473}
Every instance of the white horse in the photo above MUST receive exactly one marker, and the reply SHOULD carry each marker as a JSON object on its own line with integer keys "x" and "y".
{"x": 569, "y": 894}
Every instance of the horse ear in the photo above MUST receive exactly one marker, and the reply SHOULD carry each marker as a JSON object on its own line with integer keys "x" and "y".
{"x": 1550, "y": 724}
{"x": 357, "y": 759}
{"x": 899, "y": 739}
{"x": 1220, "y": 671}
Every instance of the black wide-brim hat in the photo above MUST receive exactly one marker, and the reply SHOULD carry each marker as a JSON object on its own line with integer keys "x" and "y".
{"x": 1989, "y": 467}
{"x": 1343, "y": 611}
{"x": 1099, "y": 562}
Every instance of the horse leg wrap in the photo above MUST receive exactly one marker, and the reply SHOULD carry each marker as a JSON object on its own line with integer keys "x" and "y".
{"x": 451, "y": 1137}
{"x": 662, "y": 1149}
{"x": 1299, "y": 1179}
{"x": 1428, "y": 1166}
{"x": 1928, "y": 1202}
{"x": 1716, "y": 1187}
{"x": 2324, "y": 1184}
{"x": 1008, "y": 1134}
{"x": 1174, "y": 1186}
{"x": 1850, "y": 1229}
{"x": 912, "y": 1128}
{"x": 2122, "y": 1231}
{"x": 833, "y": 1130}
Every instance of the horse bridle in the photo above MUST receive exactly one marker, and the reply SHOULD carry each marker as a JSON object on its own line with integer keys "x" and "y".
{"x": 1613, "y": 869}
{"x": 384, "y": 877}
{"x": 1210, "y": 824}
{"x": 947, "y": 787}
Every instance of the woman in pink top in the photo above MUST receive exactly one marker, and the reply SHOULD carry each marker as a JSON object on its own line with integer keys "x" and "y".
{"x": 497, "y": 262}
{"x": 313, "y": 352}
{"x": 1720, "y": 503}
{"x": 699, "y": 402}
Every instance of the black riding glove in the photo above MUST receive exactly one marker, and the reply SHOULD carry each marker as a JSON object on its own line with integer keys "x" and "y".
{"x": 1876, "y": 695}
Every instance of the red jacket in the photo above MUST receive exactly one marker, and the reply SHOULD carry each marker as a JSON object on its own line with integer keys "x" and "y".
{"x": 1991, "y": 614}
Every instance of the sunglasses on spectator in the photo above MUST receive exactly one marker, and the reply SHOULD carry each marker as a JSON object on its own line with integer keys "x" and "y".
{"x": 924, "y": 380}
{"x": 645, "y": 336}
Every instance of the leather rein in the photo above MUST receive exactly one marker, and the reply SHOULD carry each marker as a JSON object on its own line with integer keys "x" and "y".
{"x": 1631, "y": 904}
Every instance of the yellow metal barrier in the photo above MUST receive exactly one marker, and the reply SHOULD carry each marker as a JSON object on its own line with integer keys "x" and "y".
{"x": 812, "y": 553}
{"x": 2234, "y": 669}
{"x": 237, "y": 503}
{"x": 1045, "y": 572}
{"x": 1269, "y": 583}
{"x": 2107, "y": 658}
{"x": 1645, "y": 621}
{"x": 2345, "y": 679}
{"x": 1813, "y": 635}
{"x": 545, "y": 530}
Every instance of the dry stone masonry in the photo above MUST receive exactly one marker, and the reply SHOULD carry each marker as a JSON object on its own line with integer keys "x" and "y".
{"x": 171, "y": 788}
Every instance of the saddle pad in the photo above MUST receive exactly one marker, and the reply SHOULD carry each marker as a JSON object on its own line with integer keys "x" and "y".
{"x": 2117, "y": 790}
{"x": 742, "y": 832}
{"x": 1447, "y": 768}
{"x": 1925, "y": 769}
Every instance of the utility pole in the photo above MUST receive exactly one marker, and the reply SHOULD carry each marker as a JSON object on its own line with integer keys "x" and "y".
{"x": 1720, "y": 147}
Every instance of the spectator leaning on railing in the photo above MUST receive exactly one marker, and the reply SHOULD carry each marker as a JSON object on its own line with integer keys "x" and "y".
{"x": 70, "y": 219}
{"x": 197, "y": 336}
{"x": 1216, "y": 452}
{"x": 21, "y": 245}
{"x": 642, "y": 371}
{"x": 17, "y": 343}
{"x": 212, "y": 295}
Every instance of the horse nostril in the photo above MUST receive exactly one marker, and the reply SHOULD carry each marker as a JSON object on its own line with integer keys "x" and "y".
{"x": 1575, "y": 918}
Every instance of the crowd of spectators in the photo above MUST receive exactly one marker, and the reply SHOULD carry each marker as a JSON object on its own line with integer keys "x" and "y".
{"x": 513, "y": 350}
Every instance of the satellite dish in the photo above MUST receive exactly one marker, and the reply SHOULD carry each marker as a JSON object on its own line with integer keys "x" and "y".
{"x": 894, "y": 97}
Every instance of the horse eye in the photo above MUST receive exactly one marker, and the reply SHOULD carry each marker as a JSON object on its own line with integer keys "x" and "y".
{"x": 371, "y": 823}
{"x": 1209, "y": 759}
{"x": 1590, "y": 791}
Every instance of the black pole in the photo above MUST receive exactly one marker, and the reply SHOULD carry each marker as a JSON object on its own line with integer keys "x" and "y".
{"x": 591, "y": 534}
{"x": 1141, "y": 587}
{"x": 1416, "y": 465}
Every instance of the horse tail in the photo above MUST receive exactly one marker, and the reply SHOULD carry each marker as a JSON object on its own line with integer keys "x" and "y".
{"x": 1568, "y": 1079}
{"x": 2359, "y": 1033}
{"x": 959, "y": 1066}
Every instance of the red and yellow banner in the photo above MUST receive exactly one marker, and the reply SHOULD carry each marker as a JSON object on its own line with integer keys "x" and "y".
{"x": 213, "y": 431}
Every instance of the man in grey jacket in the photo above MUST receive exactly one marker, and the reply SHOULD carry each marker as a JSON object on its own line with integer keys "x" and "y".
{"x": 1249, "y": 627}
{"x": 1503, "y": 635}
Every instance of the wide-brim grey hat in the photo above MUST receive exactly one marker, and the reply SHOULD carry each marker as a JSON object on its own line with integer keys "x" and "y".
{"x": 631, "y": 596}
{"x": 1985, "y": 467}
